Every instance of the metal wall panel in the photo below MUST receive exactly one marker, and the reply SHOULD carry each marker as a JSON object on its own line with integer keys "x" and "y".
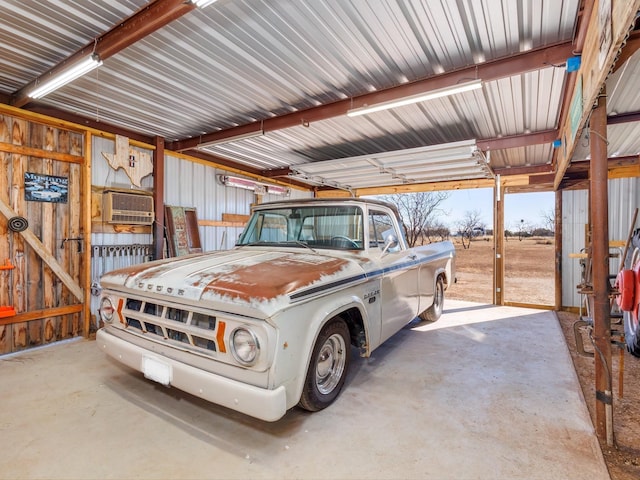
{"x": 102, "y": 175}
{"x": 624, "y": 198}
{"x": 193, "y": 184}
{"x": 575, "y": 210}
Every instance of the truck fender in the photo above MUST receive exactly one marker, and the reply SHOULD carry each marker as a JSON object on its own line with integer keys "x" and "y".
{"x": 319, "y": 321}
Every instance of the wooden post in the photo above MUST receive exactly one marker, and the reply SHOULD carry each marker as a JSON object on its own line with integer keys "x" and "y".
{"x": 85, "y": 200}
{"x": 598, "y": 201}
{"x": 558, "y": 249}
{"x": 498, "y": 243}
{"x": 6, "y": 331}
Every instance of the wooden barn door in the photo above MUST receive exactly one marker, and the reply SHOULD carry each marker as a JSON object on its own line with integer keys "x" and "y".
{"x": 42, "y": 247}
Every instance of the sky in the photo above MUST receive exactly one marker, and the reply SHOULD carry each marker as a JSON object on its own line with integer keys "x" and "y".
{"x": 518, "y": 206}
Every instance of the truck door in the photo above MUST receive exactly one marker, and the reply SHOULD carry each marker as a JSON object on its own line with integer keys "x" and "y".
{"x": 400, "y": 293}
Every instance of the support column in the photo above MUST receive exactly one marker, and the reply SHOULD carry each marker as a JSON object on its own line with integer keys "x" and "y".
{"x": 498, "y": 243}
{"x": 158, "y": 198}
{"x": 557, "y": 228}
{"x": 598, "y": 200}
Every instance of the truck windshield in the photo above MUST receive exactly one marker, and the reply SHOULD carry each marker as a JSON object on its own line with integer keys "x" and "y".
{"x": 336, "y": 227}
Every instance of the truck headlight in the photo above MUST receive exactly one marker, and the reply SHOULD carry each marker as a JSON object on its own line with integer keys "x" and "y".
{"x": 106, "y": 310}
{"x": 244, "y": 346}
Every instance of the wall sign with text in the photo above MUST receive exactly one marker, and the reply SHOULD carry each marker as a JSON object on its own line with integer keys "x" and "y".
{"x": 45, "y": 188}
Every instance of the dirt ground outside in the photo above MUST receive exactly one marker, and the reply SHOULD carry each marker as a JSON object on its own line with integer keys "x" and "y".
{"x": 529, "y": 271}
{"x": 529, "y": 279}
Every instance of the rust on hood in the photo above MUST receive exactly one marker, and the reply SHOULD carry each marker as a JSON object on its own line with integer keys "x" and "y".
{"x": 268, "y": 280}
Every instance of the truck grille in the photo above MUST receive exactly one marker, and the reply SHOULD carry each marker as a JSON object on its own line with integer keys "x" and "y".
{"x": 186, "y": 327}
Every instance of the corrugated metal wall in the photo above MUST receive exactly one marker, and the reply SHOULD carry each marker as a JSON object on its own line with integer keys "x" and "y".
{"x": 114, "y": 250}
{"x": 102, "y": 175}
{"x": 575, "y": 210}
{"x": 193, "y": 184}
{"x": 624, "y": 197}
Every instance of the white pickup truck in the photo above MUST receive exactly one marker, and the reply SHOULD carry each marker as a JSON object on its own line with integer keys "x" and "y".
{"x": 271, "y": 323}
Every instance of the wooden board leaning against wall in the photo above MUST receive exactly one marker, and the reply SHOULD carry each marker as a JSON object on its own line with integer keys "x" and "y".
{"x": 40, "y": 183}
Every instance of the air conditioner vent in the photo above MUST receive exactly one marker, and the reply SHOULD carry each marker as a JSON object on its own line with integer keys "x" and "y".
{"x": 128, "y": 208}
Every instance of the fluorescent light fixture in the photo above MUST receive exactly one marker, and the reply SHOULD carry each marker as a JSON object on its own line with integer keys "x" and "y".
{"x": 278, "y": 190}
{"x": 66, "y": 76}
{"x": 420, "y": 97}
{"x": 242, "y": 136}
{"x": 203, "y": 3}
{"x": 257, "y": 187}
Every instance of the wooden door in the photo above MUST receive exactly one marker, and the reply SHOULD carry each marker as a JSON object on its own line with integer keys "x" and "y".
{"x": 41, "y": 181}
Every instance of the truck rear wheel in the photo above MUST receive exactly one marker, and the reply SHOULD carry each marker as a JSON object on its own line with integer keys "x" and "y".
{"x": 632, "y": 333}
{"x": 328, "y": 367}
{"x": 434, "y": 312}
{"x": 630, "y": 316}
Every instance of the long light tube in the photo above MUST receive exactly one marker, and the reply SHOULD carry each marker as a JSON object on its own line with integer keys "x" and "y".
{"x": 420, "y": 97}
{"x": 203, "y": 3}
{"x": 66, "y": 76}
{"x": 247, "y": 184}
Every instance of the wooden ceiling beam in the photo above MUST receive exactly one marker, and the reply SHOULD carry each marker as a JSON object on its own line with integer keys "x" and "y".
{"x": 277, "y": 172}
{"x": 531, "y": 170}
{"x": 494, "y": 70}
{"x": 631, "y": 46}
{"x": 145, "y": 21}
{"x": 581, "y": 34}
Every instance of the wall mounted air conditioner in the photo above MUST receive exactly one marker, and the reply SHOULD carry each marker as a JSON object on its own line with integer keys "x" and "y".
{"x": 128, "y": 208}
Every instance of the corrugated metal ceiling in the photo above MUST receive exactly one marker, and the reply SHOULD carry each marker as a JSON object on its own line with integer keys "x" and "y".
{"x": 243, "y": 61}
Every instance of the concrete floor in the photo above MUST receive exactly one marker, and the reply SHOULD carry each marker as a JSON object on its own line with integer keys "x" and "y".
{"x": 484, "y": 393}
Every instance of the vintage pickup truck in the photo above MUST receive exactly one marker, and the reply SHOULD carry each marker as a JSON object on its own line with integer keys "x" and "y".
{"x": 271, "y": 323}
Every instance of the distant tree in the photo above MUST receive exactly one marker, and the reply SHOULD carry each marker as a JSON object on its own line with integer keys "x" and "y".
{"x": 541, "y": 232}
{"x": 417, "y": 211}
{"x": 549, "y": 219}
{"x": 468, "y": 226}
{"x": 524, "y": 230}
{"x": 437, "y": 230}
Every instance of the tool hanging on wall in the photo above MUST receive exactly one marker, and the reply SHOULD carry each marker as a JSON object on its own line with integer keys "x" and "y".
{"x": 7, "y": 310}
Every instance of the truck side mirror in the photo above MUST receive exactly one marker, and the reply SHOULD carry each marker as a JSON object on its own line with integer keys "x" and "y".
{"x": 390, "y": 241}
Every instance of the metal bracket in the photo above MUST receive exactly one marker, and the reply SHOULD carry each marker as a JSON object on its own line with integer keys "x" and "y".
{"x": 77, "y": 239}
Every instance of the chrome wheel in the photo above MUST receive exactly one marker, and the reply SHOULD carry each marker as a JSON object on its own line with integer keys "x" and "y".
{"x": 434, "y": 312}
{"x": 330, "y": 365}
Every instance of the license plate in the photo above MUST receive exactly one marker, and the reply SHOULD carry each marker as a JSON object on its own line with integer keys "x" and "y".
{"x": 157, "y": 371}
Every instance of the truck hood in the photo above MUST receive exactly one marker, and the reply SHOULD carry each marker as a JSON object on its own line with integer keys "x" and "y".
{"x": 260, "y": 279}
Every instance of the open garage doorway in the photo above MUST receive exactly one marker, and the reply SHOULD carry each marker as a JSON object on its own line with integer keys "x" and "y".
{"x": 469, "y": 216}
{"x": 529, "y": 267}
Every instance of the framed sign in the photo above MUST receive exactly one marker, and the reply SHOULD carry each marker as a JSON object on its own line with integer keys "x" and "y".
{"x": 45, "y": 188}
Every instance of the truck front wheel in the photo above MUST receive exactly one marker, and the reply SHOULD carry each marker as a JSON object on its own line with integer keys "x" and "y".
{"x": 328, "y": 367}
{"x": 434, "y": 312}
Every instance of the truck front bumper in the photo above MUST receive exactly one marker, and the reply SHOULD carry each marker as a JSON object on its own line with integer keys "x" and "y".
{"x": 268, "y": 405}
